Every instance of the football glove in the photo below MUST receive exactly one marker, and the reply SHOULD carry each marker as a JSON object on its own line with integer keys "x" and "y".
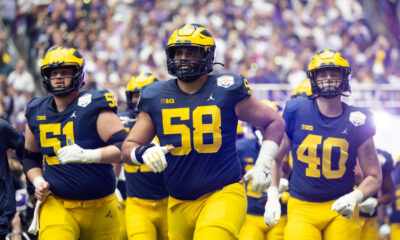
{"x": 283, "y": 185}
{"x": 384, "y": 230}
{"x": 272, "y": 211}
{"x": 152, "y": 155}
{"x": 261, "y": 172}
{"x": 345, "y": 205}
{"x": 73, "y": 153}
{"x": 369, "y": 205}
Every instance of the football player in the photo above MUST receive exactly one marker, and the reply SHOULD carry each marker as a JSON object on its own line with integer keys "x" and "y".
{"x": 326, "y": 136}
{"x": 77, "y": 134}
{"x": 254, "y": 227}
{"x": 303, "y": 90}
{"x": 11, "y": 138}
{"x": 368, "y": 208}
{"x": 147, "y": 197}
{"x": 195, "y": 117}
{"x": 395, "y": 215}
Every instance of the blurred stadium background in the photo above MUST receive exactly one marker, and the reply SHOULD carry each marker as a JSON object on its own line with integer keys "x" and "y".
{"x": 270, "y": 42}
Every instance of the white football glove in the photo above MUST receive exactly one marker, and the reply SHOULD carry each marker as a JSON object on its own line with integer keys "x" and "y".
{"x": 261, "y": 172}
{"x": 283, "y": 185}
{"x": 153, "y": 157}
{"x": 261, "y": 178}
{"x": 345, "y": 205}
{"x": 272, "y": 211}
{"x": 369, "y": 205}
{"x": 73, "y": 153}
{"x": 384, "y": 230}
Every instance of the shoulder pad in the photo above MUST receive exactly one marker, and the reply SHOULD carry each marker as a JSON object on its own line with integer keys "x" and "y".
{"x": 33, "y": 104}
{"x": 153, "y": 89}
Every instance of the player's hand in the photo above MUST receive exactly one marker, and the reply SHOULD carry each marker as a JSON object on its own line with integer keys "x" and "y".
{"x": 272, "y": 211}
{"x": 42, "y": 190}
{"x": 73, "y": 153}
{"x": 384, "y": 230}
{"x": 283, "y": 185}
{"x": 154, "y": 158}
{"x": 368, "y": 206}
{"x": 345, "y": 205}
{"x": 261, "y": 178}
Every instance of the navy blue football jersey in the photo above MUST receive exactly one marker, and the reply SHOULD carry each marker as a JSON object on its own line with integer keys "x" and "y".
{"x": 140, "y": 181}
{"x": 75, "y": 181}
{"x": 395, "y": 215}
{"x": 386, "y": 162}
{"x": 248, "y": 149}
{"x": 202, "y": 128}
{"x": 324, "y": 149}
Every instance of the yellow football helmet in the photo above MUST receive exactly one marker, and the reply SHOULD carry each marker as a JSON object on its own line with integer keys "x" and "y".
{"x": 134, "y": 86}
{"x": 329, "y": 59}
{"x": 197, "y": 38}
{"x": 62, "y": 57}
{"x": 303, "y": 90}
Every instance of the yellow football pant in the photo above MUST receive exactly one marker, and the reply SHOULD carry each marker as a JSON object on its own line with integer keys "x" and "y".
{"x": 71, "y": 220}
{"x": 217, "y": 215}
{"x": 122, "y": 225}
{"x": 369, "y": 228}
{"x": 254, "y": 228}
{"x": 316, "y": 221}
{"x": 146, "y": 219}
{"x": 395, "y": 231}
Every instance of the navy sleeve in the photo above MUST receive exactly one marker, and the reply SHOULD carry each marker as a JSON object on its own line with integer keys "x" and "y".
{"x": 366, "y": 130}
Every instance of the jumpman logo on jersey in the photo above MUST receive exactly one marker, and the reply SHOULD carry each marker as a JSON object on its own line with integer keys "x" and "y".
{"x": 211, "y": 98}
{"x": 73, "y": 115}
{"x": 345, "y": 132}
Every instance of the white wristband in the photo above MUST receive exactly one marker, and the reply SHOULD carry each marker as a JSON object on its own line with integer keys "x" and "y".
{"x": 38, "y": 180}
{"x": 93, "y": 155}
{"x": 267, "y": 154}
{"x": 133, "y": 158}
{"x": 358, "y": 195}
{"x": 273, "y": 193}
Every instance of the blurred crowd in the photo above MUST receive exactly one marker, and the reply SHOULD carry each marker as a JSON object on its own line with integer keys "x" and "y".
{"x": 267, "y": 41}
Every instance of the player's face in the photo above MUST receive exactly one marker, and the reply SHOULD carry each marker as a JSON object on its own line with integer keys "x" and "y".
{"x": 135, "y": 97}
{"x": 329, "y": 78}
{"x": 186, "y": 53}
{"x": 61, "y": 77}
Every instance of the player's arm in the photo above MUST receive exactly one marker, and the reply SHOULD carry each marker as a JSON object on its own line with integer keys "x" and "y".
{"x": 33, "y": 163}
{"x": 262, "y": 116}
{"x": 110, "y": 130}
{"x": 371, "y": 169}
{"x": 368, "y": 160}
{"x": 138, "y": 149}
{"x": 276, "y": 170}
{"x": 387, "y": 189}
